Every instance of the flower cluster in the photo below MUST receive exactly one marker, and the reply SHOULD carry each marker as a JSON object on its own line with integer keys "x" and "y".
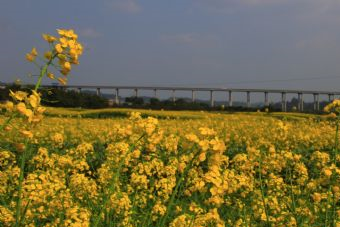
{"x": 26, "y": 105}
{"x": 333, "y": 107}
{"x": 65, "y": 49}
{"x": 202, "y": 171}
{"x": 151, "y": 172}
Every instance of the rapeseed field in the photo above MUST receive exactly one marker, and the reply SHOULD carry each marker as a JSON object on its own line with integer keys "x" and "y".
{"x": 64, "y": 167}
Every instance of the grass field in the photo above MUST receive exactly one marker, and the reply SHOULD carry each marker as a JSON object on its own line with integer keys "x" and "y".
{"x": 117, "y": 167}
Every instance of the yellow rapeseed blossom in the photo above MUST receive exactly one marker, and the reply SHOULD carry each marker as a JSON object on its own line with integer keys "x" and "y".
{"x": 49, "y": 38}
{"x": 50, "y": 75}
{"x": 333, "y": 107}
{"x": 160, "y": 168}
{"x": 135, "y": 164}
{"x": 31, "y": 56}
{"x": 63, "y": 81}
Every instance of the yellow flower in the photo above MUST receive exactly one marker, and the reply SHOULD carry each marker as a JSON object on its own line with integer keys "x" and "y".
{"x": 64, "y": 72}
{"x": 71, "y": 43}
{"x": 327, "y": 172}
{"x": 9, "y": 106}
{"x": 49, "y": 38}
{"x": 21, "y": 107}
{"x": 79, "y": 48}
{"x": 30, "y": 57}
{"x": 63, "y": 81}
{"x": 6, "y": 216}
{"x": 29, "y": 114}
{"x": 67, "y": 66}
{"x": 63, "y": 42}
{"x": 202, "y": 157}
{"x": 70, "y": 34}
{"x": 316, "y": 197}
{"x": 27, "y": 134}
{"x": 73, "y": 52}
{"x": 18, "y": 95}
{"x": 58, "y": 48}
{"x": 41, "y": 109}
{"x": 34, "y": 52}
{"x": 33, "y": 101}
{"x": 50, "y": 75}
{"x": 48, "y": 55}
{"x": 61, "y": 32}
{"x": 75, "y": 61}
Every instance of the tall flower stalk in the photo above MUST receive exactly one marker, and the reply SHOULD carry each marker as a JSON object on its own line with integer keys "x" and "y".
{"x": 62, "y": 54}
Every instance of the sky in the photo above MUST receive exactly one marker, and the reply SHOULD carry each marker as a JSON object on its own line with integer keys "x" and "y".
{"x": 288, "y": 44}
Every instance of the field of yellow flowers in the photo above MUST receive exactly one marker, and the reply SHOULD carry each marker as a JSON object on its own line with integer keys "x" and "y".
{"x": 172, "y": 169}
{"x": 118, "y": 167}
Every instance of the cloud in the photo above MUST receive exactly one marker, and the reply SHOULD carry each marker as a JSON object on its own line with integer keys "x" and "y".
{"x": 126, "y": 6}
{"x": 190, "y": 39}
{"x": 89, "y": 33}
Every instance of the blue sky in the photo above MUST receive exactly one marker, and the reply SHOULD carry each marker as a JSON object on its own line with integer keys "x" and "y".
{"x": 215, "y": 43}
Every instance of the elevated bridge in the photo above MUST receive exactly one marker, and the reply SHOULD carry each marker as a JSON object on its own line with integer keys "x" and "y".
{"x": 229, "y": 91}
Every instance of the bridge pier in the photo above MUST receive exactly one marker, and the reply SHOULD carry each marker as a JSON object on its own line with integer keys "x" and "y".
{"x": 330, "y": 97}
{"x": 155, "y": 94}
{"x": 211, "y": 98}
{"x": 283, "y": 102}
{"x": 248, "y": 99}
{"x": 230, "y": 99}
{"x": 136, "y": 93}
{"x": 300, "y": 103}
{"x": 316, "y": 102}
{"x": 98, "y": 92}
{"x": 173, "y": 96}
{"x": 193, "y": 96}
{"x": 117, "y": 96}
{"x": 266, "y": 103}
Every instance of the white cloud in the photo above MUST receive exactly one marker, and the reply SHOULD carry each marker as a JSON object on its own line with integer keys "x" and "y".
{"x": 89, "y": 33}
{"x": 126, "y": 6}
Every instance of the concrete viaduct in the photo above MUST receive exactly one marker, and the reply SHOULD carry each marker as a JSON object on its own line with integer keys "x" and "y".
{"x": 229, "y": 92}
{"x": 194, "y": 90}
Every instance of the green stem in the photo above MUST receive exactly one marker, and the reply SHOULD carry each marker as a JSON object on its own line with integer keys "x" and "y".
{"x": 245, "y": 216}
{"x": 262, "y": 194}
{"x": 293, "y": 197}
{"x": 21, "y": 178}
{"x": 113, "y": 184}
{"x": 326, "y": 219}
{"x": 334, "y": 211}
{"x": 173, "y": 195}
{"x": 7, "y": 122}
{"x": 43, "y": 72}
